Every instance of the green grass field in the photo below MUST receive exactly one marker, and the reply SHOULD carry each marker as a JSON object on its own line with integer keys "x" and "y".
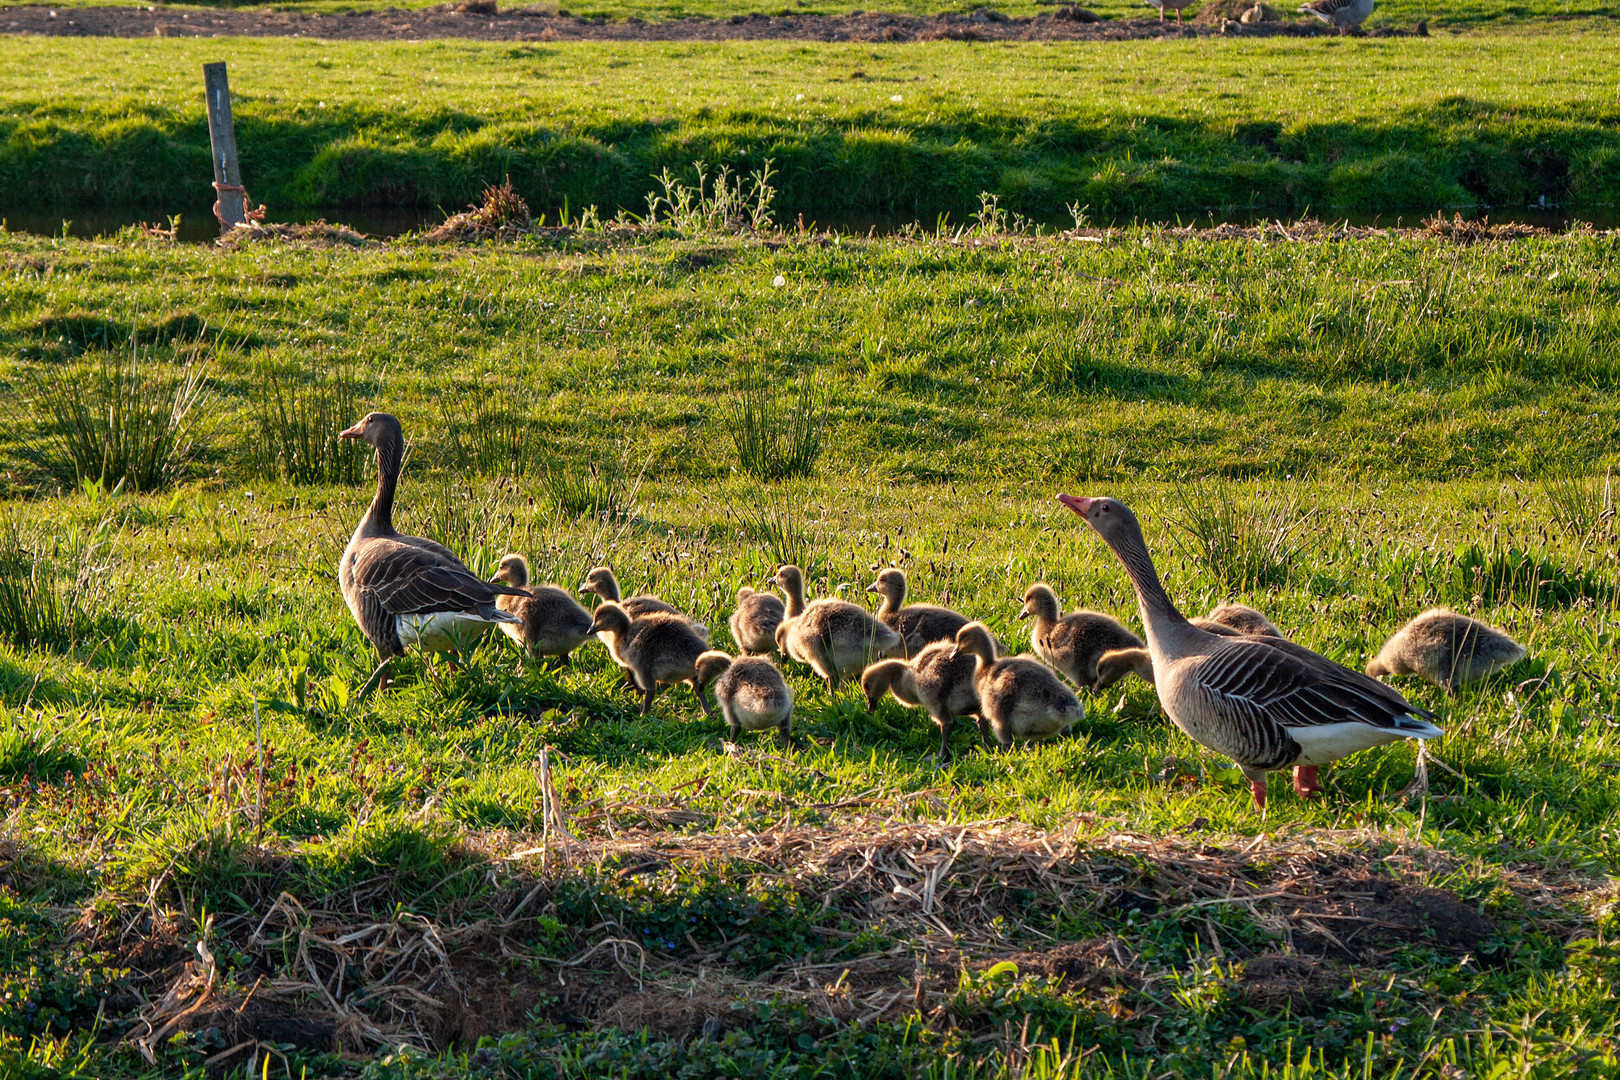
{"x": 1399, "y": 421}
{"x": 1148, "y": 128}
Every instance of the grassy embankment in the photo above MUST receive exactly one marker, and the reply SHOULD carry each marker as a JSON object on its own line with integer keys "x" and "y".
{"x": 1462, "y": 15}
{"x": 1146, "y": 128}
{"x": 1427, "y": 424}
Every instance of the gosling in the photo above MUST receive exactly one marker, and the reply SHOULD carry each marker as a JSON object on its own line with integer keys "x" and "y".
{"x": 657, "y": 650}
{"x": 836, "y": 638}
{"x": 1018, "y": 697}
{"x": 1237, "y": 620}
{"x": 552, "y": 623}
{"x": 1227, "y": 620}
{"x": 604, "y": 584}
{"x": 917, "y": 624}
{"x": 1072, "y": 644}
{"x": 1448, "y": 649}
{"x": 753, "y": 624}
{"x": 936, "y": 680}
{"x": 751, "y": 693}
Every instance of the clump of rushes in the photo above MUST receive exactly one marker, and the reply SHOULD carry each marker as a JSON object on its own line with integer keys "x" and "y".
{"x": 484, "y": 438}
{"x": 1582, "y": 505}
{"x": 502, "y": 212}
{"x": 1243, "y": 543}
{"x": 599, "y": 487}
{"x": 40, "y": 605}
{"x": 777, "y": 437}
{"x": 297, "y": 431}
{"x": 126, "y": 422}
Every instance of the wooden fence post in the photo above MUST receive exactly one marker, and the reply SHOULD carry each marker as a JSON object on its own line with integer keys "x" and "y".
{"x": 231, "y": 202}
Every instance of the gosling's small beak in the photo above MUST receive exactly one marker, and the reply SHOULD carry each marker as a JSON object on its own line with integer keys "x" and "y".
{"x": 1078, "y": 503}
{"x": 1022, "y": 615}
{"x": 353, "y": 432}
{"x": 872, "y": 587}
{"x": 584, "y": 588}
{"x": 955, "y": 652}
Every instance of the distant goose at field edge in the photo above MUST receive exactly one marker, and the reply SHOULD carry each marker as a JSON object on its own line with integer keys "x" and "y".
{"x": 1177, "y": 6}
{"x": 1343, "y": 14}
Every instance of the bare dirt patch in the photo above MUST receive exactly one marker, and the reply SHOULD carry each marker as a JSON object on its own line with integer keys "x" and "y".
{"x": 483, "y": 20}
{"x": 1272, "y": 982}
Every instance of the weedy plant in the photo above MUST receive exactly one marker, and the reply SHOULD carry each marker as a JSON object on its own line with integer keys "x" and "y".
{"x": 780, "y": 529}
{"x": 1242, "y": 542}
{"x": 777, "y": 438}
{"x": 125, "y": 422}
{"x": 478, "y": 525}
{"x": 728, "y": 203}
{"x": 298, "y": 427}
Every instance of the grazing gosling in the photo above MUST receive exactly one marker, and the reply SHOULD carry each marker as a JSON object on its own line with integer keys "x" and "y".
{"x": 936, "y": 680}
{"x": 1018, "y": 697}
{"x": 836, "y": 638}
{"x": 1237, "y": 619}
{"x": 552, "y": 622}
{"x": 753, "y": 624}
{"x": 657, "y": 650}
{"x": 604, "y": 584}
{"x": 917, "y": 624}
{"x": 751, "y": 693}
{"x": 1448, "y": 649}
{"x": 1072, "y": 643}
{"x": 1227, "y": 620}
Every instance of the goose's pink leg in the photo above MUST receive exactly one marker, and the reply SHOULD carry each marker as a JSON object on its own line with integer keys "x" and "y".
{"x": 1259, "y": 789}
{"x": 1305, "y": 781}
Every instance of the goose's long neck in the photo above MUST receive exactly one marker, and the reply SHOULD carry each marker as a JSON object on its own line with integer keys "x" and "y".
{"x": 379, "y": 519}
{"x": 1159, "y": 614}
{"x": 890, "y": 605}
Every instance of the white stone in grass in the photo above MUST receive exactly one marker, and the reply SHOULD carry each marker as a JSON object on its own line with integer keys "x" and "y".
{"x": 778, "y": 281}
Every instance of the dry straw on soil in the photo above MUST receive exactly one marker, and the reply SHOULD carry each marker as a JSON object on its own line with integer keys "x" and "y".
{"x": 1336, "y": 903}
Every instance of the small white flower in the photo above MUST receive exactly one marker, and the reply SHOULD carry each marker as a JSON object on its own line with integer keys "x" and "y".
{"x": 896, "y": 98}
{"x": 778, "y": 281}
{"x": 798, "y": 97}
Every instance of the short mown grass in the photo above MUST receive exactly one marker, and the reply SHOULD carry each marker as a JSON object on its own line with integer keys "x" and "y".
{"x": 1340, "y": 433}
{"x": 1116, "y": 129}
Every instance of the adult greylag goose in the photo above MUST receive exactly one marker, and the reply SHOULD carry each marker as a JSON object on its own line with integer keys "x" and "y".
{"x": 1448, "y": 649}
{"x": 836, "y": 638}
{"x": 1342, "y": 14}
{"x": 1177, "y": 6}
{"x": 1227, "y": 620}
{"x": 551, "y": 622}
{"x": 601, "y": 581}
{"x": 917, "y": 624}
{"x": 1019, "y": 698}
{"x": 407, "y": 590}
{"x": 753, "y": 624}
{"x": 657, "y": 650}
{"x": 936, "y": 679}
{"x": 751, "y": 693}
{"x": 1265, "y": 702}
{"x": 1072, "y": 643}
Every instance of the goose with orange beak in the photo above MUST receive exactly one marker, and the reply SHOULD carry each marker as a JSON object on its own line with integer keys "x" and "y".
{"x": 1266, "y": 703}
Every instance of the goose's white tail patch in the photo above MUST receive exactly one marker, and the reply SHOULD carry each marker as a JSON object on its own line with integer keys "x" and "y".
{"x": 1322, "y": 743}
{"x": 445, "y": 631}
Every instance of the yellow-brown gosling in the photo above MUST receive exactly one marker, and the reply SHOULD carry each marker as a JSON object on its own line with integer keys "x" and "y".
{"x": 936, "y": 679}
{"x": 751, "y": 693}
{"x": 657, "y": 650}
{"x": 1448, "y": 649}
{"x": 836, "y": 638}
{"x": 917, "y": 624}
{"x": 1019, "y": 698}
{"x": 604, "y": 584}
{"x": 551, "y": 622}
{"x": 1072, "y": 644}
{"x": 753, "y": 624}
